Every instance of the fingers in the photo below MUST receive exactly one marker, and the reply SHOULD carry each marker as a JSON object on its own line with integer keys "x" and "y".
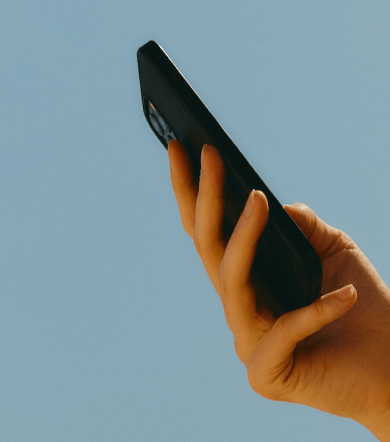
{"x": 241, "y": 250}
{"x": 325, "y": 239}
{"x": 272, "y": 362}
{"x": 184, "y": 183}
{"x": 210, "y": 210}
{"x": 238, "y": 295}
{"x": 202, "y": 207}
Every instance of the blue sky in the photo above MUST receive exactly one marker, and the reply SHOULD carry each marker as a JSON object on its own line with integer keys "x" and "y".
{"x": 109, "y": 327}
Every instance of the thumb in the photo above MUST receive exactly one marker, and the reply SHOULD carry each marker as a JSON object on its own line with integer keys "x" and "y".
{"x": 324, "y": 238}
{"x": 273, "y": 359}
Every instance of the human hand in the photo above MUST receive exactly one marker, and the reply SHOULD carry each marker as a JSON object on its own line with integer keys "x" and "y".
{"x": 333, "y": 355}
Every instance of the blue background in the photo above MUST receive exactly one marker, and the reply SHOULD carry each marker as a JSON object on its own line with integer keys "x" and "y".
{"x": 109, "y": 327}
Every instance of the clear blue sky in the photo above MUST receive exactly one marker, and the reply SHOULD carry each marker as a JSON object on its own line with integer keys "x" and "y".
{"x": 109, "y": 327}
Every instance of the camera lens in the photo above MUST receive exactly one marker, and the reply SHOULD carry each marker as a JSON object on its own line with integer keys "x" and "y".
{"x": 162, "y": 123}
{"x": 156, "y": 125}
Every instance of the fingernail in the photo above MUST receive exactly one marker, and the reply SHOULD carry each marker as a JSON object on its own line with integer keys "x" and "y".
{"x": 249, "y": 204}
{"x": 345, "y": 293}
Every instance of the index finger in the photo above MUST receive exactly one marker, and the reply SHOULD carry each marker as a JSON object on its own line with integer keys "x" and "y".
{"x": 184, "y": 183}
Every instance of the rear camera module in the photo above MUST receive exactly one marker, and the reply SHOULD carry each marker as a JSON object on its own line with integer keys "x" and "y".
{"x": 158, "y": 123}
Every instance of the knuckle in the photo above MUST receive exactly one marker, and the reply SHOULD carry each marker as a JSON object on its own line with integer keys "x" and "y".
{"x": 239, "y": 351}
{"x": 318, "y": 308}
{"x": 188, "y": 229}
{"x": 228, "y": 281}
{"x": 254, "y": 381}
{"x": 223, "y": 282}
{"x": 198, "y": 244}
{"x": 281, "y": 328}
{"x": 260, "y": 385}
{"x": 188, "y": 223}
{"x": 223, "y": 285}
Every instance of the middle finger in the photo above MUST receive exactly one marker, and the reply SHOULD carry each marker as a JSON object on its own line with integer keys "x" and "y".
{"x": 210, "y": 209}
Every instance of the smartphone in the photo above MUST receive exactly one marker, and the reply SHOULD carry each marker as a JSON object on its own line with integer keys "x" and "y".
{"x": 287, "y": 271}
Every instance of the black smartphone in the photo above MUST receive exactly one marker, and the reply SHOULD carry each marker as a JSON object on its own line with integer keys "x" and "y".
{"x": 287, "y": 270}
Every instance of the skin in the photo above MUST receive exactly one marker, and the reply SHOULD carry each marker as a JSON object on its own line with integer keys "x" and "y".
{"x": 333, "y": 355}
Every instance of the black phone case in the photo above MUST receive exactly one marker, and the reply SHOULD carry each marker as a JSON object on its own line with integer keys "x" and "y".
{"x": 287, "y": 270}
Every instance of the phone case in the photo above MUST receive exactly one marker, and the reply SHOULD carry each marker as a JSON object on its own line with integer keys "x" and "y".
{"x": 287, "y": 270}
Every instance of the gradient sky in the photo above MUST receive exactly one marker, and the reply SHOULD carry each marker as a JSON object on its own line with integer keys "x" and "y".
{"x": 109, "y": 327}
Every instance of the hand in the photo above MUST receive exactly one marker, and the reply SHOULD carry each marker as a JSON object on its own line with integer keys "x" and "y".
{"x": 333, "y": 355}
